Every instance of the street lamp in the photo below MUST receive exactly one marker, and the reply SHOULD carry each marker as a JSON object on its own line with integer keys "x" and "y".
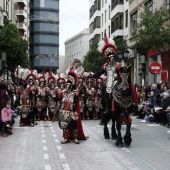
{"x": 123, "y": 56}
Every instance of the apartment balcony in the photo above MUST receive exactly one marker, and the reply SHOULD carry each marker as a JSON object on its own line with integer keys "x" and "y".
{"x": 22, "y": 2}
{"x": 21, "y": 13}
{"x": 21, "y": 26}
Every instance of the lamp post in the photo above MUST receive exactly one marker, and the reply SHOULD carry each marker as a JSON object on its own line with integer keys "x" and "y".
{"x": 123, "y": 56}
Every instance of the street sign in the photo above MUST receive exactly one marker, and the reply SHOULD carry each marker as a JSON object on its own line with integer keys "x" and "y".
{"x": 155, "y": 68}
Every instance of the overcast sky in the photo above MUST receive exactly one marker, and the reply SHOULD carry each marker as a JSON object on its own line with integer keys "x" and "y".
{"x": 74, "y": 17}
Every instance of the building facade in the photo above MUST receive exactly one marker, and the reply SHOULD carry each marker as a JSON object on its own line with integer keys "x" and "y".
{"x": 44, "y": 34}
{"x": 77, "y": 47}
{"x": 22, "y": 17}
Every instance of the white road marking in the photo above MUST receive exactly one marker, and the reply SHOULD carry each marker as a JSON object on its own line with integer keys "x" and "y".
{"x": 53, "y": 131}
{"x": 45, "y": 148}
{"x": 168, "y": 131}
{"x": 66, "y": 167}
{"x": 51, "y": 128}
{"x": 43, "y": 141}
{"x": 42, "y": 131}
{"x": 62, "y": 156}
{"x": 43, "y": 136}
{"x": 46, "y": 156}
{"x": 56, "y": 141}
{"x": 47, "y": 167}
{"x": 42, "y": 127}
{"x": 54, "y": 135}
{"x": 17, "y": 127}
{"x": 41, "y": 124}
{"x": 41, "y": 121}
{"x": 153, "y": 125}
{"x": 59, "y": 147}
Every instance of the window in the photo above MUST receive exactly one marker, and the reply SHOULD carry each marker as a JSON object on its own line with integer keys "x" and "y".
{"x": 149, "y": 6}
{"x": 109, "y": 30}
{"x": 114, "y": 3}
{"x": 134, "y": 23}
{"x": 109, "y": 11}
{"x": 102, "y": 3}
{"x": 102, "y": 19}
{"x": 167, "y": 5}
{"x": 126, "y": 20}
{"x": 105, "y": 16}
{"x": 117, "y": 22}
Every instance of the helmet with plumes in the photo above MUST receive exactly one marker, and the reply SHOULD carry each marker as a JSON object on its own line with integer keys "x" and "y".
{"x": 107, "y": 46}
{"x": 72, "y": 76}
{"x": 51, "y": 78}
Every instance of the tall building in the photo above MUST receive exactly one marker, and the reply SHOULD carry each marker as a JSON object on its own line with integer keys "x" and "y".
{"x": 22, "y": 17}
{"x": 44, "y": 34}
{"x": 77, "y": 47}
{"x": 4, "y": 10}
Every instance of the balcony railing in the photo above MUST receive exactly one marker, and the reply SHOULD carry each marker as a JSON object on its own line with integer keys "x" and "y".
{"x": 21, "y": 13}
{"x": 22, "y": 1}
{"x": 21, "y": 26}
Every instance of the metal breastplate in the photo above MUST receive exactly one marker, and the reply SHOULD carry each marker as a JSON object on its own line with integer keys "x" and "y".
{"x": 110, "y": 69}
{"x": 67, "y": 104}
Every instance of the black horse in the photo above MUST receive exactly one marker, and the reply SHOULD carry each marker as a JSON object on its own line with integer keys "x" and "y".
{"x": 121, "y": 107}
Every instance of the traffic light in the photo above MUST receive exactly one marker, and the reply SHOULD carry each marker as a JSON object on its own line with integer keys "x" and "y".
{"x": 144, "y": 67}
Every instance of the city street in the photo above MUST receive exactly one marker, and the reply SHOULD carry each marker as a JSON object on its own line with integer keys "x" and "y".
{"x": 40, "y": 148}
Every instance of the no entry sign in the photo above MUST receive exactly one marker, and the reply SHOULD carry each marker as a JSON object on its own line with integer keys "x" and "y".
{"x": 155, "y": 68}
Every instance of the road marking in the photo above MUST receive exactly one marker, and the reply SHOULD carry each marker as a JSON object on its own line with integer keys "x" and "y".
{"x": 56, "y": 141}
{"x": 66, "y": 167}
{"x": 126, "y": 150}
{"x": 47, "y": 167}
{"x": 41, "y": 124}
{"x": 54, "y": 135}
{"x": 51, "y": 128}
{"x": 168, "y": 131}
{"x": 42, "y": 127}
{"x": 43, "y": 141}
{"x": 50, "y": 125}
{"x": 42, "y": 131}
{"x": 17, "y": 127}
{"x": 59, "y": 147}
{"x": 153, "y": 125}
{"x": 45, "y": 148}
{"x": 43, "y": 136}
{"x": 62, "y": 156}
{"x": 41, "y": 121}
{"x": 46, "y": 156}
{"x": 52, "y": 131}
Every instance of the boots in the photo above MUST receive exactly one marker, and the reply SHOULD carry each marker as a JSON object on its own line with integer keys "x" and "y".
{"x": 66, "y": 137}
{"x": 9, "y": 131}
{"x": 75, "y": 136}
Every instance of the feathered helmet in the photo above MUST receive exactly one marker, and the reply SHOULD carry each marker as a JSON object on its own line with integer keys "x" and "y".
{"x": 41, "y": 77}
{"x": 31, "y": 75}
{"x": 72, "y": 76}
{"x": 107, "y": 46}
{"x": 51, "y": 78}
{"x": 60, "y": 79}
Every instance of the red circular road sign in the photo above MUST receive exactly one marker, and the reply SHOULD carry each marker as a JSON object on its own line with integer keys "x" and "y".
{"x": 155, "y": 68}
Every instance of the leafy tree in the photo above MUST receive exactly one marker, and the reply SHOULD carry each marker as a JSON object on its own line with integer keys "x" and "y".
{"x": 14, "y": 46}
{"x": 93, "y": 59}
{"x": 154, "y": 31}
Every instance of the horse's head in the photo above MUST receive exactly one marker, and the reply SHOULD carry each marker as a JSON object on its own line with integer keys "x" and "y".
{"x": 123, "y": 80}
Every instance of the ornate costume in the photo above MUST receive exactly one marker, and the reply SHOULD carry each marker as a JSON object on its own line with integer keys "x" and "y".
{"x": 69, "y": 114}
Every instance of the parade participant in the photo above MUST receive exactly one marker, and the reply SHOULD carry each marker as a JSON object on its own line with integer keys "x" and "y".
{"x": 51, "y": 96}
{"x": 89, "y": 97}
{"x": 59, "y": 90}
{"x": 82, "y": 90}
{"x": 98, "y": 98}
{"x": 69, "y": 116}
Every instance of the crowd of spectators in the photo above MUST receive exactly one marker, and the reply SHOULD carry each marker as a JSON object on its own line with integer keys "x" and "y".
{"x": 154, "y": 103}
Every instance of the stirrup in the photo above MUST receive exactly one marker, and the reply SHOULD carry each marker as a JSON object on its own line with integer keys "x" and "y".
{"x": 65, "y": 141}
{"x": 76, "y": 141}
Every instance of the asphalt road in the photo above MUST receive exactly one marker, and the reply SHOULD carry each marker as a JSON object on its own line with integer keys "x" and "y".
{"x": 40, "y": 148}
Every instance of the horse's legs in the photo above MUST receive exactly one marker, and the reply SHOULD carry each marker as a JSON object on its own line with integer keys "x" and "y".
{"x": 127, "y": 137}
{"x": 119, "y": 142}
{"x": 106, "y": 132}
{"x": 113, "y": 133}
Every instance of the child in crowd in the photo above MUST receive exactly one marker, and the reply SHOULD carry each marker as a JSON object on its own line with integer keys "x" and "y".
{"x": 6, "y": 114}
